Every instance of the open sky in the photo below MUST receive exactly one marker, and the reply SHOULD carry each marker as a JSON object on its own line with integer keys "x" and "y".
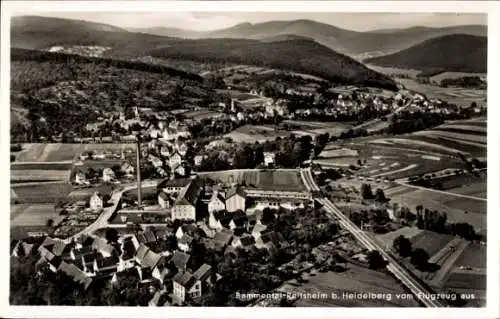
{"x": 219, "y": 20}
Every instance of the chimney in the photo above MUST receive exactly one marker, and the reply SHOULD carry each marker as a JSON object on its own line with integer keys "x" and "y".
{"x": 139, "y": 195}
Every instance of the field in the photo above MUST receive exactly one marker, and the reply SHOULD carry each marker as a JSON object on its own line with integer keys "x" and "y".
{"x": 431, "y": 242}
{"x": 268, "y": 179}
{"x": 317, "y": 128}
{"x": 474, "y": 256}
{"x": 237, "y": 95}
{"x": 459, "y": 96}
{"x": 354, "y": 280}
{"x": 394, "y": 71}
{"x": 201, "y": 114}
{"x": 454, "y": 75}
{"x": 42, "y": 192}
{"x": 38, "y": 175}
{"x": 252, "y": 133}
{"x": 58, "y": 152}
{"x": 33, "y": 214}
{"x": 455, "y": 207}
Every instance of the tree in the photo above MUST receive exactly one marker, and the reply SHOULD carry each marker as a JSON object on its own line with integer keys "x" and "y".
{"x": 50, "y": 223}
{"x": 366, "y": 191}
{"x": 375, "y": 260}
{"x": 420, "y": 258}
{"x": 380, "y": 196}
{"x": 402, "y": 246}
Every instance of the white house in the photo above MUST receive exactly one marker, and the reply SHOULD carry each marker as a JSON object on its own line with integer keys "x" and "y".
{"x": 198, "y": 159}
{"x": 269, "y": 158}
{"x": 175, "y": 159}
{"x": 217, "y": 202}
{"x": 236, "y": 200}
{"x": 108, "y": 175}
{"x": 80, "y": 179}
{"x": 96, "y": 202}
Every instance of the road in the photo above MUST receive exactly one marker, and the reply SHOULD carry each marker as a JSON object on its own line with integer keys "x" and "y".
{"x": 102, "y": 220}
{"x": 393, "y": 266}
{"x": 441, "y": 192}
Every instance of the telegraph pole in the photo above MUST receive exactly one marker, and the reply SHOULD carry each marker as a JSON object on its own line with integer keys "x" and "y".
{"x": 139, "y": 195}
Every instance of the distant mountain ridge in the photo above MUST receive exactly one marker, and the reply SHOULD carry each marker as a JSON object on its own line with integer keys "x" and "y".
{"x": 341, "y": 40}
{"x": 456, "y": 52}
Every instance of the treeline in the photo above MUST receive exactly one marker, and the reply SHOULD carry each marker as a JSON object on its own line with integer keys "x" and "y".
{"x": 42, "y": 56}
{"x": 464, "y": 82}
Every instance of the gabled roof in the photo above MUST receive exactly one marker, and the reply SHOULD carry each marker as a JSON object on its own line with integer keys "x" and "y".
{"x": 107, "y": 262}
{"x": 178, "y": 182}
{"x": 184, "y": 279}
{"x": 189, "y": 195}
{"x": 128, "y": 249}
{"x": 186, "y": 239}
{"x": 90, "y": 257}
{"x": 271, "y": 237}
{"x": 218, "y": 196}
{"x": 22, "y": 248}
{"x": 203, "y": 272}
{"x": 222, "y": 239}
{"x": 189, "y": 229}
{"x": 75, "y": 273}
{"x": 246, "y": 240}
{"x": 163, "y": 196}
{"x": 236, "y": 191}
{"x": 180, "y": 259}
{"x": 61, "y": 248}
{"x": 146, "y": 257}
{"x": 85, "y": 240}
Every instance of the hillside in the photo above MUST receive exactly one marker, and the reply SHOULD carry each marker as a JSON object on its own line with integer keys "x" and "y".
{"x": 303, "y": 56}
{"x": 341, "y": 40}
{"x": 458, "y": 53}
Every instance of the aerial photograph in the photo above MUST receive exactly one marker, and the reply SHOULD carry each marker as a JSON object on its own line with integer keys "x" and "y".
{"x": 248, "y": 159}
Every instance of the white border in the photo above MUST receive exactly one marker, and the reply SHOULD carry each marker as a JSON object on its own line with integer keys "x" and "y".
{"x": 492, "y": 8}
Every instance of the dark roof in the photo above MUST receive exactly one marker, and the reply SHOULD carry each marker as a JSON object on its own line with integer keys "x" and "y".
{"x": 23, "y": 249}
{"x": 222, "y": 239}
{"x": 163, "y": 232}
{"x": 128, "y": 249}
{"x": 203, "y": 272}
{"x": 180, "y": 259}
{"x": 146, "y": 257}
{"x": 163, "y": 196}
{"x": 75, "y": 273}
{"x": 189, "y": 229}
{"x": 184, "y": 279}
{"x": 90, "y": 257}
{"x": 85, "y": 240}
{"x": 234, "y": 191}
{"x": 178, "y": 182}
{"x": 146, "y": 237}
{"x": 55, "y": 261}
{"x": 130, "y": 272}
{"x": 219, "y": 196}
{"x": 107, "y": 262}
{"x": 61, "y": 248}
{"x": 189, "y": 195}
{"x": 247, "y": 240}
{"x": 271, "y": 237}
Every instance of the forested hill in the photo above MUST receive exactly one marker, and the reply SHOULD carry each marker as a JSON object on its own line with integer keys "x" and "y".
{"x": 455, "y": 53}
{"x": 300, "y": 55}
{"x": 42, "y": 56}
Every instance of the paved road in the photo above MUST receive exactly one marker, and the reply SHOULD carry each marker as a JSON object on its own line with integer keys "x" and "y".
{"x": 102, "y": 220}
{"x": 441, "y": 192}
{"x": 393, "y": 266}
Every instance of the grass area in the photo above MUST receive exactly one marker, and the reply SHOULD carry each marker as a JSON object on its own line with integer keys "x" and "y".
{"x": 38, "y": 175}
{"x": 454, "y": 75}
{"x": 431, "y": 242}
{"x": 480, "y": 139}
{"x": 41, "y": 166}
{"x": 355, "y": 280}
{"x": 33, "y": 214}
{"x": 251, "y": 134}
{"x": 42, "y": 193}
{"x": 466, "y": 281}
{"x": 462, "y": 146}
{"x": 474, "y": 255}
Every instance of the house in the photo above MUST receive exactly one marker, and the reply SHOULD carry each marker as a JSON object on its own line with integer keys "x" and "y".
{"x": 219, "y": 219}
{"x": 129, "y": 251}
{"x": 88, "y": 260}
{"x": 174, "y": 186}
{"x": 96, "y": 201}
{"x": 278, "y": 107}
{"x": 147, "y": 258}
{"x": 108, "y": 175}
{"x": 165, "y": 151}
{"x": 180, "y": 170}
{"x": 157, "y": 162}
{"x": 181, "y": 260}
{"x": 83, "y": 241}
{"x": 186, "y": 287}
{"x": 76, "y": 274}
{"x": 217, "y": 202}
{"x": 182, "y": 148}
{"x": 159, "y": 299}
{"x": 102, "y": 246}
{"x": 239, "y": 220}
{"x": 198, "y": 159}
{"x": 146, "y": 237}
{"x": 127, "y": 168}
{"x": 222, "y": 239}
{"x": 236, "y": 200}
{"x": 22, "y": 249}
{"x": 207, "y": 232}
{"x": 269, "y": 240}
{"x": 80, "y": 179}
{"x": 62, "y": 249}
{"x": 185, "y": 229}
{"x": 78, "y": 253}
{"x": 106, "y": 265}
{"x": 269, "y": 158}
{"x": 185, "y": 243}
{"x": 245, "y": 242}
{"x": 164, "y": 273}
{"x": 164, "y": 200}
{"x": 175, "y": 159}
{"x": 185, "y": 207}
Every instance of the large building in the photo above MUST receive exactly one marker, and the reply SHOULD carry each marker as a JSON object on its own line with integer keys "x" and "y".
{"x": 185, "y": 207}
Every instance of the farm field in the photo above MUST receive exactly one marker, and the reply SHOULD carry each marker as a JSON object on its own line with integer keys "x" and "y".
{"x": 452, "y": 146}
{"x": 317, "y": 128}
{"x": 251, "y": 134}
{"x": 42, "y": 193}
{"x": 282, "y": 179}
{"x": 431, "y": 242}
{"x": 85, "y": 193}
{"x": 454, "y": 75}
{"x": 455, "y": 207}
{"x": 241, "y": 96}
{"x": 58, "y": 152}
{"x": 38, "y": 175}
{"x": 477, "y": 139}
{"x": 459, "y": 96}
{"x": 340, "y": 152}
{"x": 389, "y": 71}
{"x": 33, "y": 215}
{"x": 355, "y": 280}
{"x": 201, "y": 114}
{"x": 474, "y": 256}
